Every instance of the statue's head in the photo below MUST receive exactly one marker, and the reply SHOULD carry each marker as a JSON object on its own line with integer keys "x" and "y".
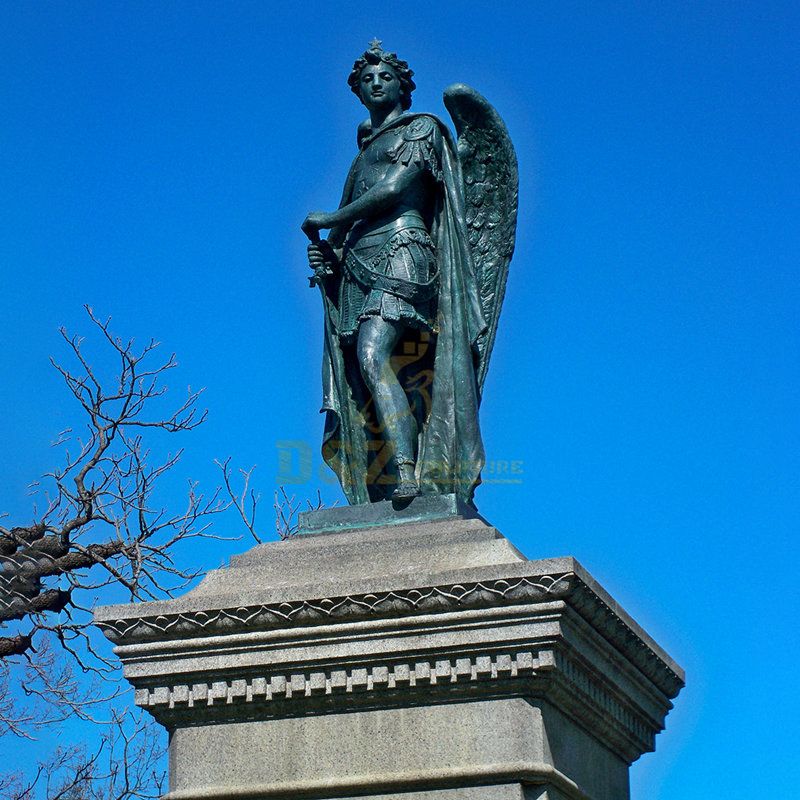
{"x": 375, "y": 57}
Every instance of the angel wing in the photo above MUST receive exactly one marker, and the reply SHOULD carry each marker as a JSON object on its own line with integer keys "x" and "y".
{"x": 489, "y": 170}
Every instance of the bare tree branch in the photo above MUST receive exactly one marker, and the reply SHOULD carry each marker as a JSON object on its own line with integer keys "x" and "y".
{"x": 127, "y": 764}
{"x": 98, "y": 523}
{"x": 101, "y": 518}
{"x": 246, "y": 501}
{"x": 287, "y": 511}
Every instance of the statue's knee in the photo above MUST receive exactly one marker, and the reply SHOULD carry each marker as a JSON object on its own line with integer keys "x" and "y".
{"x": 372, "y": 373}
{"x": 371, "y": 364}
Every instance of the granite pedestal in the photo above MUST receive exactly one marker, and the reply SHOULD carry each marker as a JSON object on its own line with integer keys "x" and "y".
{"x": 421, "y": 660}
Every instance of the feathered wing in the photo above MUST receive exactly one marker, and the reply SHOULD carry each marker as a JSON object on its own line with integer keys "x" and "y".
{"x": 489, "y": 171}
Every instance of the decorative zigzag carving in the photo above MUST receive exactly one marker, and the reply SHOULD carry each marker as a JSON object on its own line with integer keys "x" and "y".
{"x": 425, "y": 600}
{"x": 390, "y": 603}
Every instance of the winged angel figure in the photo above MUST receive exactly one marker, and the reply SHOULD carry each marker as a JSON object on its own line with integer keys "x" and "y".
{"x": 412, "y": 277}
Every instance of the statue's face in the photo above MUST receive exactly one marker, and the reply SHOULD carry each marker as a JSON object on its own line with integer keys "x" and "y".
{"x": 380, "y": 86}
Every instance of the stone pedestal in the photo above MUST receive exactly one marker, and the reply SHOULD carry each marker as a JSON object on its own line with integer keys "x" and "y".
{"x": 421, "y": 660}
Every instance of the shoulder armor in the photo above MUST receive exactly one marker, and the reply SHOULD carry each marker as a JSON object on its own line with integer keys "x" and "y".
{"x": 419, "y": 128}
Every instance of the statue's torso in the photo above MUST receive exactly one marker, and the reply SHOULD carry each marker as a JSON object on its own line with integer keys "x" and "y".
{"x": 380, "y": 156}
{"x": 395, "y": 245}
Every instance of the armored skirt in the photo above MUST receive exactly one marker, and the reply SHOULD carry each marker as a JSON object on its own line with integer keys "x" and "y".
{"x": 389, "y": 272}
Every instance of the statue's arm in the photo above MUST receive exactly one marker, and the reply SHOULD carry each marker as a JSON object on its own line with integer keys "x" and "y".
{"x": 419, "y": 151}
{"x": 375, "y": 202}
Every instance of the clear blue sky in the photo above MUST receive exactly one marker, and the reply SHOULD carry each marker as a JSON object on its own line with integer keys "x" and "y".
{"x": 156, "y": 160}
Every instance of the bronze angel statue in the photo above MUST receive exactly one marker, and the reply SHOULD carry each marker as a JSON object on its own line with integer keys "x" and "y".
{"x": 412, "y": 276}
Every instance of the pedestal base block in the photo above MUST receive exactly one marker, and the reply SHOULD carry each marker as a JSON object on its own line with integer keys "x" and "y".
{"x": 490, "y": 743}
{"x": 422, "y": 660}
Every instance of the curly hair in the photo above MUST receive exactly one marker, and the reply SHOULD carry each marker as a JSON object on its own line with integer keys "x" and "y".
{"x": 401, "y": 69}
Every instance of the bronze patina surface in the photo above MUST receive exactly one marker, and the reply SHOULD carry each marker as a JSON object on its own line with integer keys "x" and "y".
{"x": 412, "y": 277}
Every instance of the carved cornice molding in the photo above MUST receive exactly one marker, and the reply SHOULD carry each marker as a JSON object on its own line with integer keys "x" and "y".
{"x": 604, "y": 619}
{"x": 577, "y": 690}
{"x": 547, "y": 673}
{"x": 566, "y": 586}
{"x": 430, "y": 599}
{"x": 341, "y": 680}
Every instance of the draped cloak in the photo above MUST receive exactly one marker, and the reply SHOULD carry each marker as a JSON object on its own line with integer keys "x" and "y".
{"x": 451, "y": 455}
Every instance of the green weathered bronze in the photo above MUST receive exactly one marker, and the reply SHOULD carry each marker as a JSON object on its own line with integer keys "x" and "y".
{"x": 412, "y": 277}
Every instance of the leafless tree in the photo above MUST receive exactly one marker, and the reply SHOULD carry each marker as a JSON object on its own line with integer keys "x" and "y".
{"x": 101, "y": 525}
{"x": 127, "y": 764}
{"x": 246, "y": 502}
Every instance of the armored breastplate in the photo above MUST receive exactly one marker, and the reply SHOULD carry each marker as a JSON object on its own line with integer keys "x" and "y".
{"x": 374, "y": 161}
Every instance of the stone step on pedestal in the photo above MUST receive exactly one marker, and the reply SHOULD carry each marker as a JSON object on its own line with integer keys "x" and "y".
{"x": 409, "y": 549}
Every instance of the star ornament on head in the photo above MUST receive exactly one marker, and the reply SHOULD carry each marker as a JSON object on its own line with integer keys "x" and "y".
{"x": 375, "y": 44}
